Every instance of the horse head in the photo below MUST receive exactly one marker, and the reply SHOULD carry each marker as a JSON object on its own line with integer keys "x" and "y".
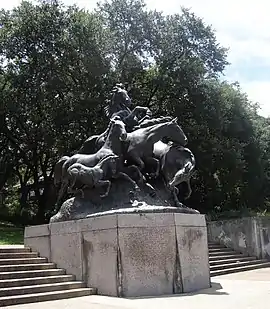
{"x": 176, "y": 133}
{"x": 117, "y": 129}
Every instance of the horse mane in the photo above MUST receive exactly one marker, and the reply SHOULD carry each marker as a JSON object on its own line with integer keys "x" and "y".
{"x": 107, "y": 158}
{"x": 107, "y": 110}
{"x": 111, "y": 102}
{"x": 151, "y": 122}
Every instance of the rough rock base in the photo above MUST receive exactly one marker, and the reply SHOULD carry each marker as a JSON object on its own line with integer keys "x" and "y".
{"x": 122, "y": 199}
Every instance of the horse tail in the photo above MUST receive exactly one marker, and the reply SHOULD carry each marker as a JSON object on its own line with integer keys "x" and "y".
{"x": 188, "y": 167}
{"x": 190, "y": 164}
{"x": 58, "y": 170}
{"x": 68, "y": 163}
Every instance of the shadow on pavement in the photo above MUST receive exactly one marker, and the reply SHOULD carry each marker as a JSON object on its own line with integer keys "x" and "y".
{"x": 213, "y": 290}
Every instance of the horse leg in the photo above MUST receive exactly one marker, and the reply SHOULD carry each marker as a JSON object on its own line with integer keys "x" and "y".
{"x": 73, "y": 177}
{"x": 175, "y": 193}
{"x": 151, "y": 160}
{"x": 189, "y": 189}
{"x": 75, "y": 191}
{"x": 143, "y": 119}
{"x": 137, "y": 160}
{"x": 62, "y": 191}
{"x": 125, "y": 176}
{"x": 177, "y": 179}
{"x": 142, "y": 180}
{"x": 104, "y": 183}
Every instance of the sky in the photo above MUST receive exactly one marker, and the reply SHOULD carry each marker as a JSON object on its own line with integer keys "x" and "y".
{"x": 242, "y": 26}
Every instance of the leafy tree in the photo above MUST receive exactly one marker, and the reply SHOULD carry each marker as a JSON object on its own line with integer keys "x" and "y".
{"x": 58, "y": 65}
{"x": 53, "y": 67}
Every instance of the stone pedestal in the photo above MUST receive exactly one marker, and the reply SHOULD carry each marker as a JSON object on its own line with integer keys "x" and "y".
{"x": 129, "y": 254}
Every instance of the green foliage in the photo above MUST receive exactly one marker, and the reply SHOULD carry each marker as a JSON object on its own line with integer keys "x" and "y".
{"x": 10, "y": 235}
{"x": 58, "y": 64}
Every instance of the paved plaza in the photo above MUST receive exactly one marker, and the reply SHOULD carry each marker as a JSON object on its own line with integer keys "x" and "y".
{"x": 246, "y": 290}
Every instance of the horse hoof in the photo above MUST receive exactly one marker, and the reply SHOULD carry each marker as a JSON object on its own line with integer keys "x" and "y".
{"x": 131, "y": 196}
{"x": 180, "y": 205}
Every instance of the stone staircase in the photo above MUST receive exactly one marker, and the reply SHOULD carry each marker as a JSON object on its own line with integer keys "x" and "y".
{"x": 26, "y": 278}
{"x": 224, "y": 261}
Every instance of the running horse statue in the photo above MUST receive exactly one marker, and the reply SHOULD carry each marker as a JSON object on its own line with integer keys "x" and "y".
{"x": 120, "y": 159}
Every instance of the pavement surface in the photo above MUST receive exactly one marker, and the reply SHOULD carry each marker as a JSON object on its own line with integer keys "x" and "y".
{"x": 245, "y": 290}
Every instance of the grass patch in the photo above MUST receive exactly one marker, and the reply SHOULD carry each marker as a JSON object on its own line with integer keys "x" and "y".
{"x": 10, "y": 235}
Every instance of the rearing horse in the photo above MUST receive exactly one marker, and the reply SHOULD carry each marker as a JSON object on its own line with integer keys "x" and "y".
{"x": 120, "y": 105}
{"x": 177, "y": 165}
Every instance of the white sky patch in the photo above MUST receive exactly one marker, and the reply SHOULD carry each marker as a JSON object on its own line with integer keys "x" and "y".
{"x": 257, "y": 92}
{"x": 243, "y": 26}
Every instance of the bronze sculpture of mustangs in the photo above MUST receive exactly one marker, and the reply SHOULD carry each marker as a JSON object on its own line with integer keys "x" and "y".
{"x": 132, "y": 141}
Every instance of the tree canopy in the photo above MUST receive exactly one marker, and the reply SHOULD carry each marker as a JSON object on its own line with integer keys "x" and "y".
{"x": 57, "y": 65}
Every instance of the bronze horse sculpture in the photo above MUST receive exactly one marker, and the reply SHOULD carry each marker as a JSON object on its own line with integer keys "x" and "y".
{"x": 99, "y": 175}
{"x": 117, "y": 108}
{"x": 133, "y": 143}
{"x": 112, "y": 146}
{"x": 95, "y": 142}
{"x": 139, "y": 145}
{"x": 120, "y": 104}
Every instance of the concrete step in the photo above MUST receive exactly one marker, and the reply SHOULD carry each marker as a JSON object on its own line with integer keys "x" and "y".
{"x": 38, "y": 260}
{"x": 38, "y": 297}
{"x": 215, "y": 246}
{"x": 31, "y": 273}
{"x": 35, "y": 281}
{"x": 232, "y": 260}
{"x": 236, "y": 264}
{"x": 223, "y": 249}
{"x": 26, "y": 267}
{"x": 42, "y": 288}
{"x": 227, "y": 256}
{"x": 235, "y": 269}
{"x": 20, "y": 255}
{"x": 222, "y": 253}
{"x": 14, "y": 249}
